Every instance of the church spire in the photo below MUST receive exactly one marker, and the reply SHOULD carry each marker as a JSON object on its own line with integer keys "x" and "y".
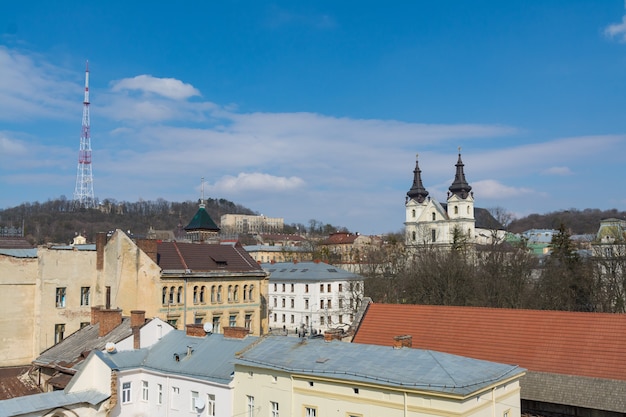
{"x": 417, "y": 191}
{"x": 460, "y": 187}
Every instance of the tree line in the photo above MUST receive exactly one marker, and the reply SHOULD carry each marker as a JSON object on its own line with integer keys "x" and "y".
{"x": 502, "y": 275}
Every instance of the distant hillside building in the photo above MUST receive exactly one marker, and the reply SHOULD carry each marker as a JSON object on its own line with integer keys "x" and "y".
{"x": 429, "y": 222}
{"x": 245, "y": 224}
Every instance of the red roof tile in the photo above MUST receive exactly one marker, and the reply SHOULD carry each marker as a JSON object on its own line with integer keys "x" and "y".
{"x": 584, "y": 344}
{"x": 200, "y": 257}
{"x": 340, "y": 238}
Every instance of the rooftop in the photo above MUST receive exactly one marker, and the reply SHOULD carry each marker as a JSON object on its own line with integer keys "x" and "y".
{"x": 307, "y": 271}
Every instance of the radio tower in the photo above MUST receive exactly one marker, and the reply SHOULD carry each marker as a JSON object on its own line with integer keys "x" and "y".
{"x": 83, "y": 194}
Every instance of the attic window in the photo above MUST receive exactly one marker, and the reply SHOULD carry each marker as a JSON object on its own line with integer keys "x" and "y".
{"x": 332, "y": 270}
{"x": 305, "y": 269}
{"x": 219, "y": 260}
{"x": 293, "y": 270}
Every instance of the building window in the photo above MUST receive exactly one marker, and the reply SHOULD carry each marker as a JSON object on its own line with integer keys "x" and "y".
{"x": 310, "y": 412}
{"x": 232, "y": 320}
{"x": 59, "y": 331}
{"x": 433, "y": 235}
{"x": 275, "y": 302}
{"x": 250, "y": 406}
{"x": 219, "y": 294}
{"x": 274, "y": 407}
{"x": 328, "y": 287}
{"x": 413, "y": 237}
{"x": 236, "y": 293}
{"x": 84, "y": 324}
{"x": 125, "y": 392}
{"x": 322, "y": 320}
{"x": 340, "y": 319}
{"x": 202, "y": 294}
{"x": 306, "y": 304}
{"x": 245, "y": 293}
{"x": 328, "y": 303}
{"x": 434, "y": 216}
{"x": 230, "y": 293}
{"x": 159, "y": 394}
{"x": 174, "y": 399}
{"x": 164, "y": 296}
{"x": 275, "y": 287}
{"x": 293, "y": 303}
{"x": 212, "y": 293}
{"x": 210, "y": 409}
{"x": 321, "y": 304}
{"x": 292, "y": 287}
{"x": 306, "y": 287}
{"x": 60, "y": 298}
{"x": 144, "y": 390}
{"x": 321, "y": 287}
{"x": 172, "y": 295}
{"x": 173, "y": 323}
{"x": 340, "y": 287}
{"x": 251, "y": 293}
{"x": 275, "y": 317}
{"x": 283, "y": 318}
{"x": 216, "y": 324}
{"x": 341, "y": 303}
{"x": 248, "y": 321}
{"x": 84, "y": 295}
{"x": 413, "y": 213}
{"x": 292, "y": 319}
{"x": 194, "y": 401}
{"x": 283, "y": 302}
{"x": 195, "y": 294}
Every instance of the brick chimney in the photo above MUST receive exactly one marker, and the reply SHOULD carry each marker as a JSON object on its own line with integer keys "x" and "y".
{"x": 149, "y": 247}
{"x": 109, "y": 319}
{"x": 403, "y": 341}
{"x": 101, "y": 242}
{"x": 333, "y": 334}
{"x": 137, "y": 319}
{"x": 195, "y": 330}
{"x": 235, "y": 332}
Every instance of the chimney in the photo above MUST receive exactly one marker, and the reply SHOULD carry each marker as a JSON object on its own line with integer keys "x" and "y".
{"x": 149, "y": 247}
{"x": 403, "y": 341}
{"x": 333, "y": 334}
{"x": 195, "y": 330}
{"x": 101, "y": 242}
{"x": 95, "y": 314}
{"x": 137, "y": 319}
{"x": 235, "y": 332}
{"x": 109, "y": 320}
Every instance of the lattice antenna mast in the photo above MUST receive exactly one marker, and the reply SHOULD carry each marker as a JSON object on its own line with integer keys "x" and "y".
{"x": 83, "y": 193}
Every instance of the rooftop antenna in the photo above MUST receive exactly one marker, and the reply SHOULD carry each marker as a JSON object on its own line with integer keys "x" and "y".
{"x": 83, "y": 193}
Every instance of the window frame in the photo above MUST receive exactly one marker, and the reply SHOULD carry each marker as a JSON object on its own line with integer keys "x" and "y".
{"x": 61, "y": 294}
{"x": 85, "y": 295}
{"x": 127, "y": 392}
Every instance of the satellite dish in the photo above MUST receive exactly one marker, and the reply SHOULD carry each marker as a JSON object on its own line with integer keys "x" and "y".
{"x": 208, "y": 327}
{"x": 110, "y": 347}
{"x": 199, "y": 404}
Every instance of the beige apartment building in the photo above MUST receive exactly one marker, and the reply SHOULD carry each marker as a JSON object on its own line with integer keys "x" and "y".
{"x": 244, "y": 223}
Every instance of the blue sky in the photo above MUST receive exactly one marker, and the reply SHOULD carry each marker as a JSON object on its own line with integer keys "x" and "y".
{"x": 316, "y": 110}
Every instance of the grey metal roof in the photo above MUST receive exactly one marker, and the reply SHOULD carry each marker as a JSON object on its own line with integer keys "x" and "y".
{"x": 68, "y": 352}
{"x": 86, "y": 246}
{"x": 211, "y": 359}
{"x": 48, "y": 401}
{"x": 407, "y": 368}
{"x": 19, "y": 253}
{"x": 307, "y": 271}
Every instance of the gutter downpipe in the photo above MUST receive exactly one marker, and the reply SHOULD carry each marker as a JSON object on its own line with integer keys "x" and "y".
{"x": 406, "y": 407}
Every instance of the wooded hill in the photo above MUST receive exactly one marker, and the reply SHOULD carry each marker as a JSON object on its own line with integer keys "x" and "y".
{"x": 577, "y": 222}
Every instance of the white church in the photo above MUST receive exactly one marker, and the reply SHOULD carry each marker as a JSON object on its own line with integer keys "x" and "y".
{"x": 429, "y": 222}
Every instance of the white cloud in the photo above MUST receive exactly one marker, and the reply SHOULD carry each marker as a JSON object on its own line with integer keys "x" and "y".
{"x": 617, "y": 30}
{"x": 167, "y": 87}
{"x": 256, "y": 181}
{"x": 10, "y": 147}
{"x": 494, "y": 189}
{"x": 562, "y": 171}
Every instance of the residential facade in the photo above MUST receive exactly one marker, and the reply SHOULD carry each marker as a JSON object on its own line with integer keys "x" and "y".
{"x": 279, "y": 253}
{"x": 287, "y": 376}
{"x": 312, "y": 296}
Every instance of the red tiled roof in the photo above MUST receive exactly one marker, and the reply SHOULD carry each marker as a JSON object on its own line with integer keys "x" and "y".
{"x": 584, "y": 344}
{"x": 204, "y": 257}
{"x": 340, "y": 238}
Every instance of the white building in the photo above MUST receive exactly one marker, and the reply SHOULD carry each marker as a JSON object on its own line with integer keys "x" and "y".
{"x": 313, "y": 296}
{"x": 429, "y": 222}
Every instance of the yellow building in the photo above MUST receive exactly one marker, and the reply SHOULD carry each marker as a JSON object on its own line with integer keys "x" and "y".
{"x": 314, "y": 377}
